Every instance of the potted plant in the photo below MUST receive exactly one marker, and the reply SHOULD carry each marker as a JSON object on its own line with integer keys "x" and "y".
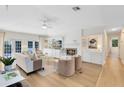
{"x": 7, "y": 62}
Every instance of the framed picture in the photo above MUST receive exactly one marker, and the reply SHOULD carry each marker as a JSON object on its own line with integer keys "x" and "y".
{"x": 115, "y": 43}
{"x": 71, "y": 51}
{"x": 92, "y": 42}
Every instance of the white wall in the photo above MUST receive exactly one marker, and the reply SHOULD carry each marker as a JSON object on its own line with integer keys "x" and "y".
{"x": 72, "y": 39}
{"x": 122, "y": 46}
{"x": 94, "y": 55}
{"x": 106, "y": 44}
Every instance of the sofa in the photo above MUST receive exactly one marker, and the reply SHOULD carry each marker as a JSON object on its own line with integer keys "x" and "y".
{"x": 28, "y": 64}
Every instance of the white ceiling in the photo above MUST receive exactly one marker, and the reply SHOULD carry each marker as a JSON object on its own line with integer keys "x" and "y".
{"x": 27, "y": 18}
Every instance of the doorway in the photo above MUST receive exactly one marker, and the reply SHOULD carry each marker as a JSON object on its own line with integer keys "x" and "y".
{"x": 114, "y": 47}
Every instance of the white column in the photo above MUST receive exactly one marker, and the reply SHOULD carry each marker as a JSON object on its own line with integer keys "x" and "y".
{"x": 122, "y": 46}
{"x": 2, "y": 34}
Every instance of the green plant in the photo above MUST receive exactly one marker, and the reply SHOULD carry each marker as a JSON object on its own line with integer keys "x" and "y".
{"x": 7, "y": 61}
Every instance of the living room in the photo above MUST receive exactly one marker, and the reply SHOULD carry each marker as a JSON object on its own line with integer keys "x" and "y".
{"x": 43, "y": 46}
{"x": 24, "y": 46}
{"x": 23, "y": 43}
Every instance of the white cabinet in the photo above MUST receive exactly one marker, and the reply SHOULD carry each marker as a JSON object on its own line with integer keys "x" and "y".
{"x": 93, "y": 57}
{"x": 52, "y": 52}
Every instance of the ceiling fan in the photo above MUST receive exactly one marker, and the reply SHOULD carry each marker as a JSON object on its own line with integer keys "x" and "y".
{"x": 46, "y": 22}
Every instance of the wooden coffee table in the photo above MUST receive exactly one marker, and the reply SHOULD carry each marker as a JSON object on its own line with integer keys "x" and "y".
{"x": 10, "y": 78}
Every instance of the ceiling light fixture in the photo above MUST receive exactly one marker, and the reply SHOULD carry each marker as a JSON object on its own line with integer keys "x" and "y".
{"x": 46, "y": 22}
{"x": 44, "y": 26}
{"x": 76, "y": 8}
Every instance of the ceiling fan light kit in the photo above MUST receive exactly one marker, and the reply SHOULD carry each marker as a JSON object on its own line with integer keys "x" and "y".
{"x": 45, "y": 23}
{"x": 44, "y": 26}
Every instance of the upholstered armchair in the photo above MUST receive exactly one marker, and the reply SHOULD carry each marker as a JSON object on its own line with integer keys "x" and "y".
{"x": 66, "y": 67}
{"x": 78, "y": 64}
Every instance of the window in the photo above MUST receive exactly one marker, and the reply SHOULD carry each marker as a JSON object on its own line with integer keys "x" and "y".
{"x": 115, "y": 43}
{"x": 36, "y": 45}
{"x": 18, "y": 46}
{"x": 7, "y": 48}
{"x": 30, "y": 44}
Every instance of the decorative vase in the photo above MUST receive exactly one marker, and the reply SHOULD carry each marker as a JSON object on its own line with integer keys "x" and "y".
{"x": 1, "y": 67}
{"x": 8, "y": 68}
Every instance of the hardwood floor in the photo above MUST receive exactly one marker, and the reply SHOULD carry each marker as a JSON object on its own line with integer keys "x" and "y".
{"x": 86, "y": 79}
{"x": 112, "y": 73}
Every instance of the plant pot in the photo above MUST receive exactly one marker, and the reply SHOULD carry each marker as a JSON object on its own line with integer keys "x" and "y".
{"x": 1, "y": 67}
{"x": 8, "y": 68}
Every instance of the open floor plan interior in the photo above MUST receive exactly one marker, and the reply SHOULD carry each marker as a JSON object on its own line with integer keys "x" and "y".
{"x": 61, "y": 46}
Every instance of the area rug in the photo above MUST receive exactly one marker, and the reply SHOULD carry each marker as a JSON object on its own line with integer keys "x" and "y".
{"x": 49, "y": 69}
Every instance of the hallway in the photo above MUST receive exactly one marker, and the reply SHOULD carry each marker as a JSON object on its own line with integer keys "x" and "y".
{"x": 112, "y": 74}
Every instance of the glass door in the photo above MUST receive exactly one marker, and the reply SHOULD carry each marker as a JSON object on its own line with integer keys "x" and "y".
{"x": 115, "y": 47}
{"x": 7, "y": 48}
{"x": 17, "y": 46}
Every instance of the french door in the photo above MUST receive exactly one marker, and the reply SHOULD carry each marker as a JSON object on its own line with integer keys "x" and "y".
{"x": 7, "y": 48}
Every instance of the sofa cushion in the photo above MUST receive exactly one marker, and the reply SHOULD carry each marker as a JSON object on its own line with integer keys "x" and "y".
{"x": 30, "y": 55}
{"x": 38, "y": 54}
